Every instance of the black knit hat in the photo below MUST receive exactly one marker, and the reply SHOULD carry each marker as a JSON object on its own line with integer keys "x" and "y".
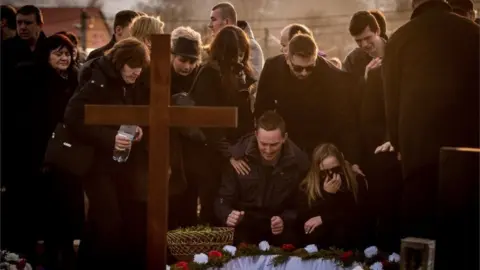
{"x": 187, "y": 48}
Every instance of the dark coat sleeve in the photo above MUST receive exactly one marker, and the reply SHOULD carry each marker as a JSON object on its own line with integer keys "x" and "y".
{"x": 348, "y": 63}
{"x": 227, "y": 195}
{"x": 265, "y": 99}
{"x": 207, "y": 92}
{"x": 101, "y": 137}
{"x": 391, "y": 88}
{"x": 95, "y": 53}
{"x": 346, "y": 124}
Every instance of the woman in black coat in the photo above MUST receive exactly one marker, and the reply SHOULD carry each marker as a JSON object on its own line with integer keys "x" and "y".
{"x": 332, "y": 202}
{"x": 115, "y": 236}
{"x": 45, "y": 86}
{"x": 224, "y": 80}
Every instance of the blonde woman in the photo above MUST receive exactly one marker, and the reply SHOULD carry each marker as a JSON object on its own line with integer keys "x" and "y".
{"x": 145, "y": 26}
{"x": 332, "y": 209}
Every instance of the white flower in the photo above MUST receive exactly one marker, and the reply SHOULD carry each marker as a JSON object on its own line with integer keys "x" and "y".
{"x": 168, "y": 268}
{"x": 311, "y": 249}
{"x": 12, "y": 257}
{"x": 230, "y": 249}
{"x": 377, "y": 266}
{"x": 264, "y": 246}
{"x": 371, "y": 251}
{"x": 201, "y": 258}
{"x": 394, "y": 257}
{"x": 358, "y": 267}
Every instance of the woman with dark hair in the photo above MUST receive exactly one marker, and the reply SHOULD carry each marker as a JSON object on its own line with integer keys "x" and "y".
{"x": 45, "y": 86}
{"x": 79, "y": 55}
{"x": 224, "y": 80}
{"x": 115, "y": 235}
{"x": 332, "y": 200}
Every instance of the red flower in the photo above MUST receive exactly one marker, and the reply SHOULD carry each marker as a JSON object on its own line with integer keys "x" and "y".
{"x": 243, "y": 245}
{"x": 21, "y": 264}
{"x": 288, "y": 247}
{"x": 182, "y": 265}
{"x": 346, "y": 255}
{"x": 215, "y": 254}
{"x": 385, "y": 263}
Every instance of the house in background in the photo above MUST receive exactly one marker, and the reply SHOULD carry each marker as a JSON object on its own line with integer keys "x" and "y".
{"x": 69, "y": 19}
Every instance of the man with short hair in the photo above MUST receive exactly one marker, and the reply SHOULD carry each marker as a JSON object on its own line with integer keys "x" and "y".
{"x": 378, "y": 158}
{"x": 312, "y": 96}
{"x": 121, "y": 28}
{"x": 18, "y": 51}
{"x": 260, "y": 204}
{"x": 366, "y": 31}
{"x": 29, "y": 20}
{"x": 431, "y": 100}
{"x": 9, "y": 22}
{"x": 222, "y": 14}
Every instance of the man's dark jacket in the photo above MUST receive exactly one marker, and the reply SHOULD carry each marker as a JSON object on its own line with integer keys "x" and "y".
{"x": 101, "y": 51}
{"x": 431, "y": 82}
{"x": 317, "y": 109}
{"x": 261, "y": 194}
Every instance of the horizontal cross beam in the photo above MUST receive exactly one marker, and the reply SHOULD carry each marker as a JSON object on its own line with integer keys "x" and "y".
{"x": 180, "y": 116}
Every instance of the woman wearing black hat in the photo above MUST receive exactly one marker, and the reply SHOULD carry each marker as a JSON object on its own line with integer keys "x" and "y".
{"x": 186, "y": 46}
{"x": 186, "y": 53}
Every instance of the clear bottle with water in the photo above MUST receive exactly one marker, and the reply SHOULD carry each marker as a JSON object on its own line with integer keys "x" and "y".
{"x": 121, "y": 154}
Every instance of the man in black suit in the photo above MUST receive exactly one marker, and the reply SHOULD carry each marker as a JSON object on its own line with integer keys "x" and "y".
{"x": 431, "y": 77}
{"x": 121, "y": 28}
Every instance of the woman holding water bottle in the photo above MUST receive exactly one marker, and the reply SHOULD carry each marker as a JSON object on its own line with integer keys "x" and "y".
{"x": 116, "y": 182}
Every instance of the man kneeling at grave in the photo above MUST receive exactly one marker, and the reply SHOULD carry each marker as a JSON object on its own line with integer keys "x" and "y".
{"x": 259, "y": 201}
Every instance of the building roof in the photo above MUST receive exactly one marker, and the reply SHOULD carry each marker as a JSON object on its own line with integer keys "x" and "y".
{"x": 69, "y": 18}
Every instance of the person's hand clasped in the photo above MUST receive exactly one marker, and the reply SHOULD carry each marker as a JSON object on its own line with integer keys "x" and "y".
{"x": 312, "y": 224}
{"x": 386, "y": 147}
{"x": 234, "y": 218}
{"x": 240, "y": 166}
{"x": 277, "y": 225}
{"x": 122, "y": 142}
{"x": 332, "y": 185}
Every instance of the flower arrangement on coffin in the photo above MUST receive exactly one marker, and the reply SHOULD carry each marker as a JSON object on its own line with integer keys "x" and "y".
{"x": 11, "y": 261}
{"x": 371, "y": 258}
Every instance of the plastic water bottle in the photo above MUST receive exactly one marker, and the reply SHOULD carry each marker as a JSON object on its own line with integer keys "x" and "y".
{"x": 121, "y": 154}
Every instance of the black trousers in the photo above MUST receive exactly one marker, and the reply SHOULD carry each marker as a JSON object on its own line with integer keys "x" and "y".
{"x": 419, "y": 201}
{"x": 384, "y": 176}
{"x": 64, "y": 209}
{"x": 115, "y": 236}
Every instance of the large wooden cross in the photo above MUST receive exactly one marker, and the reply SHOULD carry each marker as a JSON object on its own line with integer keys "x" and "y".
{"x": 159, "y": 116}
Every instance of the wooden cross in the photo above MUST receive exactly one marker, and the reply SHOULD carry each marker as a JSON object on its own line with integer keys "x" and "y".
{"x": 160, "y": 116}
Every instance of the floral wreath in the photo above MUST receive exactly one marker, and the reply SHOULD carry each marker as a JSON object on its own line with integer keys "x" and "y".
{"x": 371, "y": 258}
{"x": 8, "y": 259}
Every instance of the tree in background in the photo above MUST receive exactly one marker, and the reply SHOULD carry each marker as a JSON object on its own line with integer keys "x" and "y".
{"x": 173, "y": 12}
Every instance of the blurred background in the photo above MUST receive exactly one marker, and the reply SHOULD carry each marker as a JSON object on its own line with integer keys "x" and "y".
{"x": 328, "y": 19}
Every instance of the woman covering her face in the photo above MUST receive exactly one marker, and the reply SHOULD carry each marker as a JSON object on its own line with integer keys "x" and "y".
{"x": 332, "y": 201}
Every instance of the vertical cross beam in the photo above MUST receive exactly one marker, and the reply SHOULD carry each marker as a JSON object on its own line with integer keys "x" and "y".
{"x": 157, "y": 211}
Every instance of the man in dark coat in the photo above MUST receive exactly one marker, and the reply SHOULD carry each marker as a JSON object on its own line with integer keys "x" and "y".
{"x": 432, "y": 100}
{"x": 261, "y": 204}
{"x": 312, "y": 96}
{"x": 121, "y": 26}
{"x": 19, "y": 174}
